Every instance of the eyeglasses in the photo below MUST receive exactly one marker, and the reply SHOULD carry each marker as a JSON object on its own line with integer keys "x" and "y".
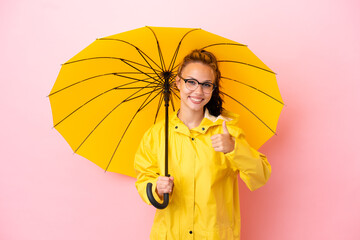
{"x": 193, "y": 84}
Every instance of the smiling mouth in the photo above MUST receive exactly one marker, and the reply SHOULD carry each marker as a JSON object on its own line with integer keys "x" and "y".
{"x": 196, "y": 100}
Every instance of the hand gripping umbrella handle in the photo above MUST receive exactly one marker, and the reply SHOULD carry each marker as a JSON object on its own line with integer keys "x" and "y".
{"x": 153, "y": 200}
{"x": 149, "y": 185}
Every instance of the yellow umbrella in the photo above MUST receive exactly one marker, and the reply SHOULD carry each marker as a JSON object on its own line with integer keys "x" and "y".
{"x": 110, "y": 93}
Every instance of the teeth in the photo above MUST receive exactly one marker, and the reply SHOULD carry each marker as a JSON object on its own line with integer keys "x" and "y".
{"x": 196, "y": 99}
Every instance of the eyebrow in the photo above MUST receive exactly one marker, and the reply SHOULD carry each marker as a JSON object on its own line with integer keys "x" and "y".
{"x": 190, "y": 77}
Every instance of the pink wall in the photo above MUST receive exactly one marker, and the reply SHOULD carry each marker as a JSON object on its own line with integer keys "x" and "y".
{"x": 46, "y": 192}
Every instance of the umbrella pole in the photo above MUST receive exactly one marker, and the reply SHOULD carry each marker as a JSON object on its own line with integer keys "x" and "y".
{"x": 149, "y": 185}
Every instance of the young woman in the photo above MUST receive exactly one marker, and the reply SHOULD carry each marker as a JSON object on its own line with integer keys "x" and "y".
{"x": 207, "y": 152}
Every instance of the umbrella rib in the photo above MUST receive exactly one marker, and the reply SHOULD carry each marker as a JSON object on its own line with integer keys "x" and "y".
{"x": 143, "y": 105}
{"x": 254, "y": 89}
{"x": 149, "y": 101}
{"x": 97, "y": 76}
{"x": 172, "y": 102}
{"x": 163, "y": 67}
{"x": 250, "y": 112}
{"x": 178, "y": 48}
{"x": 139, "y": 80}
{"x": 173, "y": 84}
{"x": 157, "y": 80}
{"x": 137, "y": 48}
{"x": 94, "y": 58}
{"x": 126, "y": 61}
{"x": 221, "y": 44}
{"x": 91, "y": 101}
{"x": 142, "y": 53}
{"x": 172, "y": 99}
{"x": 149, "y": 65}
{"x": 158, "y": 108}
{"x": 230, "y": 61}
{"x": 175, "y": 94}
{"x": 120, "y": 88}
{"x": 84, "y": 80}
{"x": 134, "y": 73}
{"x": 107, "y": 116}
{"x": 127, "y": 100}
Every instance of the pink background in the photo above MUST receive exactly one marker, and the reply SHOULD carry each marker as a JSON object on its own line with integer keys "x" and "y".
{"x": 47, "y": 192}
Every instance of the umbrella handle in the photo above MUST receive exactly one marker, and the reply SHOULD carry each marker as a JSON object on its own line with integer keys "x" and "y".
{"x": 153, "y": 200}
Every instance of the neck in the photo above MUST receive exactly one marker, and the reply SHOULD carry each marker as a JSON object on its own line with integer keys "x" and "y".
{"x": 190, "y": 118}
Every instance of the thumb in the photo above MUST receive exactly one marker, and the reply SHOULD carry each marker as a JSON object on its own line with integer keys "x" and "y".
{"x": 225, "y": 130}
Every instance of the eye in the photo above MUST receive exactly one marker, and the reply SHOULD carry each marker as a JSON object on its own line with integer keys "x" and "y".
{"x": 207, "y": 85}
{"x": 192, "y": 82}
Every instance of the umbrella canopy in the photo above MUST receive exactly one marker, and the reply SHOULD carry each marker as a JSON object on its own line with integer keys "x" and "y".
{"x": 110, "y": 93}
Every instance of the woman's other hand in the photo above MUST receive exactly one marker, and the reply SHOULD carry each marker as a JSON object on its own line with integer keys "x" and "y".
{"x": 223, "y": 142}
{"x": 164, "y": 185}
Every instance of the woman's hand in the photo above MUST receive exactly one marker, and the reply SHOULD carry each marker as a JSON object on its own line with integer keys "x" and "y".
{"x": 223, "y": 142}
{"x": 164, "y": 185}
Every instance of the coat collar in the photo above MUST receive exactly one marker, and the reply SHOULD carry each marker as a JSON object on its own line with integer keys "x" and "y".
{"x": 207, "y": 122}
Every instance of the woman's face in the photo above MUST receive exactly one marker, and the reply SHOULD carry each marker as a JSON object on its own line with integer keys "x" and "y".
{"x": 195, "y": 100}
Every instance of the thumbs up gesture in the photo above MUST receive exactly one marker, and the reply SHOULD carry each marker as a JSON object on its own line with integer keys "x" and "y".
{"x": 223, "y": 142}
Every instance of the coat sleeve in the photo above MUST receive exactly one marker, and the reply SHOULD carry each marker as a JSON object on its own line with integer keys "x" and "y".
{"x": 146, "y": 168}
{"x": 253, "y": 166}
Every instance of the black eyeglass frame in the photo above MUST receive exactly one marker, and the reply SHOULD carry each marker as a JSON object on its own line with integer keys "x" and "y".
{"x": 198, "y": 83}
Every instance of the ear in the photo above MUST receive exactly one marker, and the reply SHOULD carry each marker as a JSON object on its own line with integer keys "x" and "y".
{"x": 177, "y": 82}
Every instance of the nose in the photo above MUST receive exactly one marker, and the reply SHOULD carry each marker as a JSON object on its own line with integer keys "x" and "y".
{"x": 199, "y": 89}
